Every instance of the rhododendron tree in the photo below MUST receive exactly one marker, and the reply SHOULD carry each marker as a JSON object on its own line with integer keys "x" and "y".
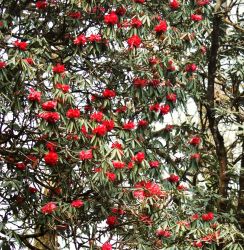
{"x": 112, "y": 125}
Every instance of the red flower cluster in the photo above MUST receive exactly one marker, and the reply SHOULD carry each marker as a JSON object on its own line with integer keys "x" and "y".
{"x": 163, "y": 233}
{"x": 195, "y": 141}
{"x": 20, "y": 165}
{"x": 95, "y": 38}
{"x": 75, "y": 15}
{"x": 164, "y": 109}
{"x": 174, "y": 4}
{"x": 80, "y": 40}
{"x": 97, "y": 116}
{"x": 111, "y": 176}
{"x": 73, "y": 113}
{"x": 49, "y": 208}
{"x": 111, "y": 19}
{"x": 85, "y": 154}
{"x": 191, "y": 67}
{"x": 34, "y": 96}
{"x": 120, "y": 11}
{"x": 147, "y": 189}
{"x": 20, "y": 45}
{"x": 106, "y": 246}
{"x": 49, "y": 105}
{"x": 51, "y": 146}
{"x": 59, "y": 68}
{"x": 118, "y": 164}
{"x": 41, "y": 4}
{"x": 77, "y": 203}
{"x": 142, "y": 123}
{"x": 64, "y": 87}
{"x": 134, "y": 41}
{"x": 129, "y": 125}
{"x": 139, "y": 157}
{"x": 196, "y": 17}
{"x": 154, "y": 164}
{"x": 139, "y": 82}
{"x": 161, "y": 27}
{"x": 195, "y": 156}
{"x": 171, "y": 97}
{"x": 108, "y": 93}
{"x": 139, "y": 1}
{"x": 208, "y": 217}
{"x": 2, "y": 65}
{"x": 112, "y": 220}
{"x": 100, "y": 130}
{"x": 136, "y": 23}
{"x": 109, "y": 124}
{"x": 173, "y": 178}
{"x": 154, "y": 107}
{"x": 51, "y": 158}
{"x": 50, "y": 117}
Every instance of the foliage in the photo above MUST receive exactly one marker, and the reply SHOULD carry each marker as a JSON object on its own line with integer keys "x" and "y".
{"x": 89, "y": 151}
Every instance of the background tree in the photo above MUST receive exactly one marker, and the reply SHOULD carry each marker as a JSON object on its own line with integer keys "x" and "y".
{"x": 99, "y": 145}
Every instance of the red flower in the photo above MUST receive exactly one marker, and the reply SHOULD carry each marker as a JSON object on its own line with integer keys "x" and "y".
{"x": 164, "y": 109}
{"x": 163, "y": 233}
{"x": 203, "y": 50}
{"x": 197, "y": 244}
{"x": 73, "y": 113}
{"x": 195, "y": 156}
{"x": 106, "y": 246}
{"x": 121, "y": 109}
{"x": 20, "y": 45}
{"x": 49, "y": 208}
{"x": 147, "y": 189}
{"x": 111, "y": 19}
{"x": 174, "y": 4}
{"x": 138, "y": 82}
{"x": 208, "y": 217}
{"x": 168, "y": 128}
{"x": 64, "y": 87}
{"x": 86, "y": 154}
{"x": 112, "y": 220}
{"x": 32, "y": 190}
{"x": 2, "y": 65}
{"x": 109, "y": 124}
{"x": 117, "y": 145}
{"x": 161, "y": 27}
{"x": 173, "y": 178}
{"x": 153, "y": 60}
{"x": 34, "y": 96}
{"x": 118, "y": 164}
{"x": 51, "y": 158}
{"x": 171, "y": 97}
{"x": 75, "y": 15}
{"x": 100, "y": 130}
{"x": 77, "y": 203}
{"x": 119, "y": 211}
{"x": 41, "y": 4}
{"x": 143, "y": 123}
{"x": 146, "y": 219}
{"x": 20, "y": 165}
{"x": 194, "y": 217}
{"x": 181, "y": 188}
{"x": 134, "y": 41}
{"x": 191, "y": 67}
{"x": 154, "y": 107}
{"x": 136, "y": 23}
{"x": 49, "y": 105}
{"x": 154, "y": 164}
{"x": 50, "y": 117}
{"x": 59, "y": 68}
{"x": 120, "y": 11}
{"x": 202, "y": 2}
{"x": 29, "y": 60}
{"x": 95, "y": 38}
{"x": 129, "y": 125}
{"x": 195, "y": 141}
{"x": 139, "y": 157}
{"x": 97, "y": 116}
{"x": 196, "y": 17}
{"x": 111, "y": 176}
{"x": 108, "y": 93}
{"x": 51, "y": 146}
{"x": 80, "y": 40}
{"x": 139, "y": 1}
